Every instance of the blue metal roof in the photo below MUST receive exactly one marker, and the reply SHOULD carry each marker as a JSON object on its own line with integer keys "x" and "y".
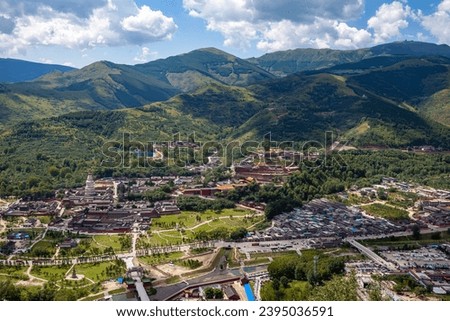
{"x": 249, "y": 292}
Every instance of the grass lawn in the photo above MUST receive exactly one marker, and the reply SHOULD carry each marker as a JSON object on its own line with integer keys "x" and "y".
{"x": 104, "y": 241}
{"x": 155, "y": 239}
{"x": 188, "y": 220}
{"x": 171, "y": 235}
{"x": 164, "y": 231}
{"x": 273, "y": 255}
{"x": 386, "y": 212}
{"x": 50, "y": 272}
{"x": 94, "y": 297}
{"x": 117, "y": 291}
{"x": 99, "y": 271}
{"x": 14, "y": 273}
{"x": 173, "y": 279}
{"x": 191, "y": 264}
{"x": 160, "y": 259}
{"x": 44, "y": 248}
{"x": 201, "y": 250}
{"x": 257, "y": 261}
{"x": 214, "y": 263}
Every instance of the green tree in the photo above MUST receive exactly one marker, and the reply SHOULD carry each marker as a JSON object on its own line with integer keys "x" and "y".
{"x": 238, "y": 233}
{"x": 416, "y": 232}
{"x": 375, "y": 293}
{"x": 284, "y": 281}
{"x": 276, "y": 284}
{"x": 53, "y": 171}
{"x": 339, "y": 288}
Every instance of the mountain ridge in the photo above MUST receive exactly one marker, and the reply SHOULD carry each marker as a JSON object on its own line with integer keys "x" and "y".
{"x": 16, "y": 70}
{"x": 105, "y": 85}
{"x": 287, "y": 62}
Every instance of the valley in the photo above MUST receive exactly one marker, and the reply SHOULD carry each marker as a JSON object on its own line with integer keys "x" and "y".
{"x": 210, "y": 176}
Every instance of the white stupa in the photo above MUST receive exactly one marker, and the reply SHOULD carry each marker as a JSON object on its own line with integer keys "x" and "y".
{"x": 90, "y": 186}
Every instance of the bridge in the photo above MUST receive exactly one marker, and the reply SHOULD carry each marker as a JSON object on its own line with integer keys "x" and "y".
{"x": 141, "y": 290}
{"x": 372, "y": 255}
{"x": 136, "y": 273}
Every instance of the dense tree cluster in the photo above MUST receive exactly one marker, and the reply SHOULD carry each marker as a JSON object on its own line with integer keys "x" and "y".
{"x": 301, "y": 268}
{"x": 238, "y": 234}
{"x": 294, "y": 277}
{"x": 213, "y": 294}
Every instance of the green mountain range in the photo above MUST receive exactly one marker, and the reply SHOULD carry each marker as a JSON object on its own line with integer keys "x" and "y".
{"x": 195, "y": 69}
{"x": 105, "y": 85}
{"x": 284, "y": 63}
{"x": 62, "y": 121}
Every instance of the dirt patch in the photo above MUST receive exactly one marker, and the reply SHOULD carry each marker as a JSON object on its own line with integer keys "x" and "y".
{"x": 206, "y": 259}
{"x": 173, "y": 269}
{"x": 30, "y": 283}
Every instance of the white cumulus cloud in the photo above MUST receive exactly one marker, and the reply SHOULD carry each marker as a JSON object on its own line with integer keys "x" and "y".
{"x": 80, "y": 24}
{"x": 283, "y": 24}
{"x": 145, "y": 55}
{"x": 322, "y": 33}
{"x": 389, "y": 20}
{"x": 150, "y": 23}
{"x": 438, "y": 23}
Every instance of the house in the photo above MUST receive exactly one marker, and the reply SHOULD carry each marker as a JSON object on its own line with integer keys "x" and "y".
{"x": 68, "y": 244}
{"x": 263, "y": 173}
{"x": 167, "y": 208}
{"x": 205, "y": 192}
{"x": 388, "y": 180}
{"x": 31, "y": 222}
{"x": 147, "y": 215}
{"x": 231, "y": 293}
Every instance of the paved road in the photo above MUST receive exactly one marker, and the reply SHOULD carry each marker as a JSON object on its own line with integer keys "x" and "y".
{"x": 129, "y": 261}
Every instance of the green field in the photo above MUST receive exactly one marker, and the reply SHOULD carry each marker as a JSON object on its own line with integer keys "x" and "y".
{"x": 387, "y": 212}
{"x": 183, "y": 228}
{"x": 161, "y": 239}
{"x": 15, "y": 273}
{"x": 117, "y": 242}
{"x": 44, "y": 248}
{"x": 191, "y": 264}
{"x": 101, "y": 271}
{"x": 257, "y": 261}
{"x": 188, "y": 220}
{"x": 50, "y": 272}
{"x": 201, "y": 250}
{"x": 272, "y": 255}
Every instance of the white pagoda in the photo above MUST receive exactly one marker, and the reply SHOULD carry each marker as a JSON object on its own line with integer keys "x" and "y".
{"x": 90, "y": 186}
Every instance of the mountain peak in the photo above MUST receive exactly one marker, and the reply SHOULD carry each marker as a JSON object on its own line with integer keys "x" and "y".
{"x": 412, "y": 48}
{"x": 213, "y": 50}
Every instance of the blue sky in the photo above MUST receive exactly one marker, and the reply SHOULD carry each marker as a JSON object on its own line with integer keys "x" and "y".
{"x": 79, "y": 32}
